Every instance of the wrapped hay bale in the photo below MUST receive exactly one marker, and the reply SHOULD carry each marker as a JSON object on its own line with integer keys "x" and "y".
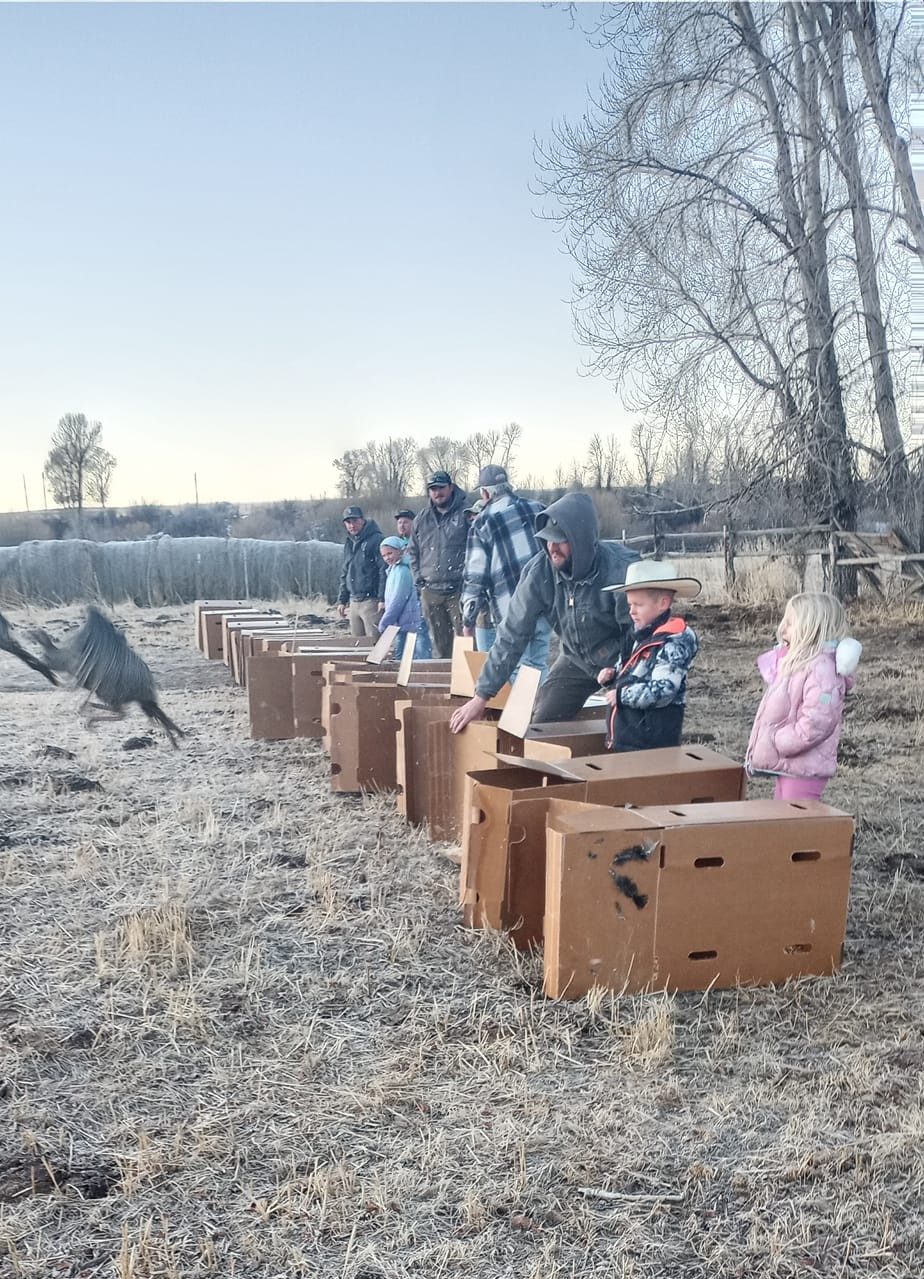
{"x": 166, "y": 570}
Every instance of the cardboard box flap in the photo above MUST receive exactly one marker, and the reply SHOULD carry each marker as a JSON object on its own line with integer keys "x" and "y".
{"x": 575, "y": 818}
{"x": 383, "y": 645}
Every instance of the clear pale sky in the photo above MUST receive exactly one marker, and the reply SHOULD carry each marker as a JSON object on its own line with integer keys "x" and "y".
{"x": 247, "y": 237}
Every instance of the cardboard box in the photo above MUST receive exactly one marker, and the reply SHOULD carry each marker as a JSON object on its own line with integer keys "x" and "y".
{"x": 586, "y": 736}
{"x": 284, "y": 691}
{"x": 432, "y": 762}
{"x": 269, "y": 696}
{"x": 362, "y": 732}
{"x": 245, "y": 639}
{"x": 213, "y": 606}
{"x": 212, "y": 621}
{"x": 344, "y": 669}
{"x": 691, "y": 897}
{"x": 502, "y": 882}
{"x": 466, "y": 667}
{"x": 236, "y": 621}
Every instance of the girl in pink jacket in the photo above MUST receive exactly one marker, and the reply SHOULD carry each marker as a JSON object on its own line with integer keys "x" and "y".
{"x": 798, "y": 723}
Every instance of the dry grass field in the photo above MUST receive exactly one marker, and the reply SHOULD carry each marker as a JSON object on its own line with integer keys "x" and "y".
{"x": 242, "y": 1032}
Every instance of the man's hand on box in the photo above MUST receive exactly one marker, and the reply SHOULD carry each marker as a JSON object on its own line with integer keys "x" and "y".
{"x": 472, "y": 710}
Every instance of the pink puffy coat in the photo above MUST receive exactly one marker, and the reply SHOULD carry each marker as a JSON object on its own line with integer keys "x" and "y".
{"x": 798, "y": 722}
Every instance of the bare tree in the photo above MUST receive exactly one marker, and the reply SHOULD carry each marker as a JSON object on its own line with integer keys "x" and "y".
{"x": 647, "y": 443}
{"x": 351, "y": 469}
{"x": 604, "y": 462}
{"x": 480, "y": 449}
{"x": 390, "y": 465}
{"x": 717, "y": 199}
{"x": 76, "y": 456}
{"x": 444, "y": 454}
{"x": 510, "y": 437}
{"x": 99, "y": 477}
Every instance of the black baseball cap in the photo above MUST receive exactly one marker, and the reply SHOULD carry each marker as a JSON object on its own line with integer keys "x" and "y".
{"x": 352, "y": 513}
{"x": 438, "y": 479}
{"x": 405, "y": 515}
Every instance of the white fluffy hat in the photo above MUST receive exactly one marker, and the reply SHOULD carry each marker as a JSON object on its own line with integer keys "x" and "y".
{"x": 657, "y": 575}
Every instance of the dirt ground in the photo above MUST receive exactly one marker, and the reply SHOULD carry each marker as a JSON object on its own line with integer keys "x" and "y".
{"x": 242, "y": 1032}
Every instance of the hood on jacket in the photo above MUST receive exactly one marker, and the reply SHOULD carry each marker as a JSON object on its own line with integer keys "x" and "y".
{"x": 369, "y": 529}
{"x": 847, "y": 655}
{"x": 575, "y": 514}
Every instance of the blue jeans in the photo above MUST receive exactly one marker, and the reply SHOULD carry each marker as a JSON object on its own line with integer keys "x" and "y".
{"x": 535, "y": 654}
{"x": 423, "y": 649}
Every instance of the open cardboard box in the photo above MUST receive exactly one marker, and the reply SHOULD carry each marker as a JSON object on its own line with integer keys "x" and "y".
{"x": 433, "y": 762}
{"x": 433, "y": 671}
{"x": 284, "y": 690}
{"x": 245, "y": 639}
{"x": 231, "y": 623}
{"x": 566, "y": 740}
{"x": 200, "y": 607}
{"x": 212, "y": 623}
{"x": 467, "y": 665}
{"x": 691, "y": 897}
{"x": 362, "y": 729}
{"x": 502, "y": 882}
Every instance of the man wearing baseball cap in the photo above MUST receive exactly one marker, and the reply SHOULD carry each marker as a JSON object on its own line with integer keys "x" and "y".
{"x": 646, "y": 690}
{"x": 404, "y": 522}
{"x": 362, "y": 579}
{"x": 500, "y": 545}
{"x": 565, "y": 583}
{"x": 436, "y": 553}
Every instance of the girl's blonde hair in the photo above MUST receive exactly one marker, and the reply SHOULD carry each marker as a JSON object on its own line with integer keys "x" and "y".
{"x": 816, "y": 619}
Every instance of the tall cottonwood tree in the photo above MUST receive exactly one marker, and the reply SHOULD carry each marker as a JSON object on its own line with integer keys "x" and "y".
{"x": 706, "y": 196}
{"x": 77, "y": 465}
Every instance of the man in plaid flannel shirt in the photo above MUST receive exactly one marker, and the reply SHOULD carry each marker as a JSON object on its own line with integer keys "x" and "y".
{"x": 501, "y": 542}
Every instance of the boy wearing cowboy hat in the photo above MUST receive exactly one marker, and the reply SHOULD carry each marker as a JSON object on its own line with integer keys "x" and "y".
{"x": 647, "y": 691}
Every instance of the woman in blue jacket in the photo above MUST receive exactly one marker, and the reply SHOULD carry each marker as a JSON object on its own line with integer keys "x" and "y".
{"x": 402, "y": 603}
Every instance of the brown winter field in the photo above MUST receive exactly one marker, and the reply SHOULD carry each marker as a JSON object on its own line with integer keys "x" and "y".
{"x": 243, "y": 1033}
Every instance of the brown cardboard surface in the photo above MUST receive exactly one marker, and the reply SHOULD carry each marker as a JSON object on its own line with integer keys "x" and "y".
{"x": 518, "y": 709}
{"x": 231, "y": 621}
{"x": 211, "y": 627}
{"x": 214, "y": 606}
{"x": 308, "y": 687}
{"x": 383, "y": 645}
{"x": 342, "y": 671}
{"x": 363, "y": 733}
{"x": 466, "y": 667}
{"x": 710, "y": 895}
{"x": 269, "y": 696}
{"x": 245, "y": 639}
{"x": 565, "y": 740}
{"x": 502, "y": 883}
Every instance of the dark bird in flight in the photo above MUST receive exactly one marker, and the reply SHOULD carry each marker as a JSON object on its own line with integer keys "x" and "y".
{"x": 9, "y": 645}
{"x": 100, "y": 659}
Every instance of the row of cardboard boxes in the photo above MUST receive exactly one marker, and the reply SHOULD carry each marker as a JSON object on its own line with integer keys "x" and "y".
{"x": 638, "y": 871}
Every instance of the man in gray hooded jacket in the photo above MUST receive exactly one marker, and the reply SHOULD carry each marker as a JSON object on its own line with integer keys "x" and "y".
{"x": 565, "y": 583}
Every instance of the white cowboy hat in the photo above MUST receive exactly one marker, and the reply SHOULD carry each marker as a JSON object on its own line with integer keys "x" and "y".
{"x": 652, "y": 575}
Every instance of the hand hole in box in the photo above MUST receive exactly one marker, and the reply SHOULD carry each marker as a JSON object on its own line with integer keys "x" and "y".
{"x": 677, "y": 812}
{"x": 693, "y": 755}
{"x": 797, "y": 948}
{"x": 595, "y": 767}
{"x": 336, "y": 768}
{"x": 709, "y": 861}
{"x": 807, "y": 855}
{"x": 703, "y": 954}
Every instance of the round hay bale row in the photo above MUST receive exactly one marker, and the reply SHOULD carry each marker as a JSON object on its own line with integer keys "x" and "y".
{"x": 166, "y": 570}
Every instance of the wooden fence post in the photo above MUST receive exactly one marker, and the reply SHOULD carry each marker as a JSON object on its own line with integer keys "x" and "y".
{"x": 728, "y": 551}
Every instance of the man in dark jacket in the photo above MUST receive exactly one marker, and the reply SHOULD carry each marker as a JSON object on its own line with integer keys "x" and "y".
{"x": 436, "y": 553}
{"x": 566, "y": 583}
{"x": 362, "y": 581}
